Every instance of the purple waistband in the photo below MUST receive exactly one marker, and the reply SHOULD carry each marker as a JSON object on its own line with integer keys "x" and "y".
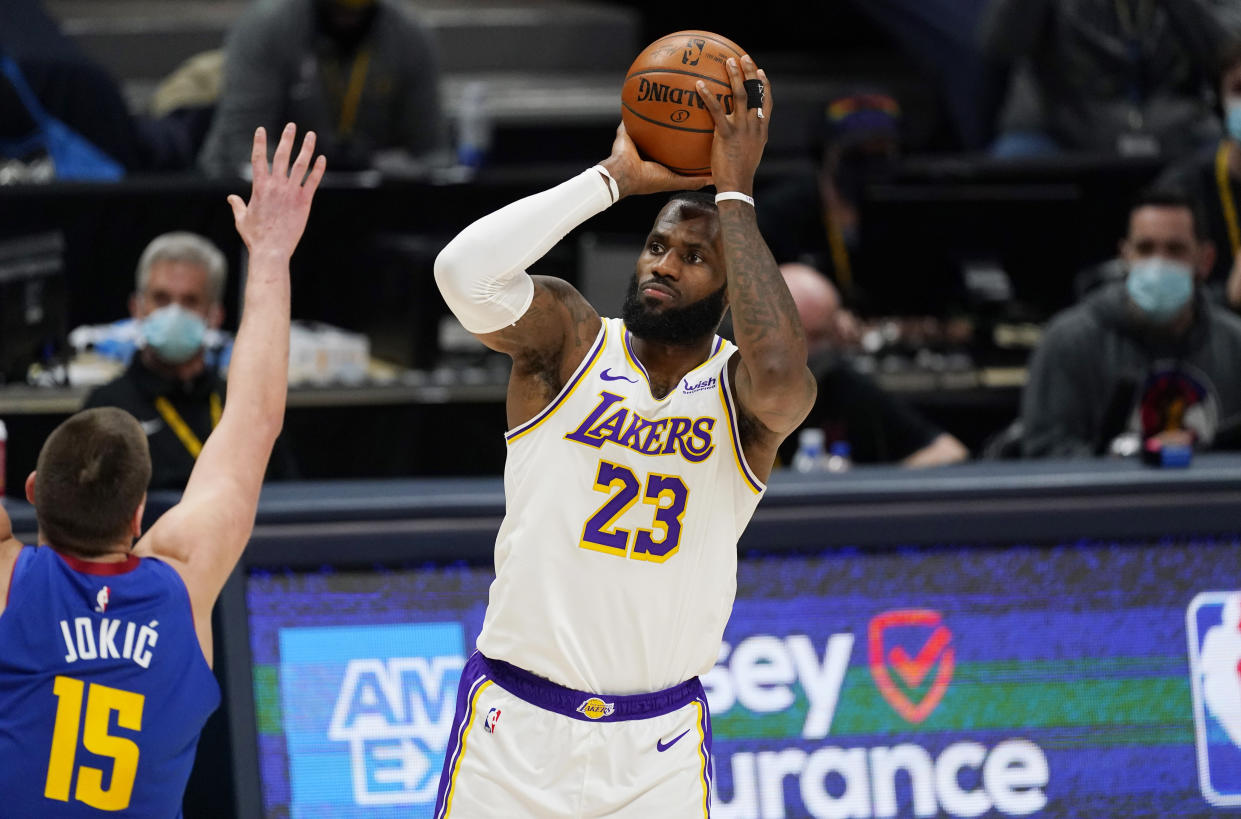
{"x": 584, "y": 705}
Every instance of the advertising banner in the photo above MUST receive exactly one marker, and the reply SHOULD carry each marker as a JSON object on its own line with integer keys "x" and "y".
{"x": 1077, "y": 680}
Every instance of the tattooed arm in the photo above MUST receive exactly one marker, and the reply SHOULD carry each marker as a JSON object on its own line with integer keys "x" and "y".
{"x": 543, "y": 323}
{"x": 774, "y": 389}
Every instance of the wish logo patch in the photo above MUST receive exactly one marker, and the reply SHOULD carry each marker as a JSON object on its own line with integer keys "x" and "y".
{"x": 1213, "y": 628}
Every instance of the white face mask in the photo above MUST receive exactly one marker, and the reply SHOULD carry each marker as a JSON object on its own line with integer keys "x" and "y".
{"x": 1161, "y": 287}
{"x": 174, "y": 333}
{"x": 1232, "y": 117}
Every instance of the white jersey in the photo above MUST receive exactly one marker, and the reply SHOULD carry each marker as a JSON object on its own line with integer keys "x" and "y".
{"x": 616, "y": 563}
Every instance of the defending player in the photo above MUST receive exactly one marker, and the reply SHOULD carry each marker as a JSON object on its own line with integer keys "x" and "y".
{"x": 637, "y": 452}
{"x": 105, "y": 650}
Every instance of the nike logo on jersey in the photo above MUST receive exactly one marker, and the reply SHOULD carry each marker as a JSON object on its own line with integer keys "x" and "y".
{"x": 607, "y": 376}
{"x": 662, "y": 746}
{"x": 151, "y": 427}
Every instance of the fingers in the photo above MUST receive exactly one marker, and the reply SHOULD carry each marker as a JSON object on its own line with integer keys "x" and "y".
{"x": 748, "y": 70}
{"x": 768, "y": 103}
{"x": 258, "y": 153}
{"x": 238, "y": 205}
{"x": 280, "y": 161}
{"x": 302, "y": 163}
{"x": 622, "y": 144}
{"x": 316, "y": 174}
{"x": 712, "y": 104}
{"x": 737, "y": 80}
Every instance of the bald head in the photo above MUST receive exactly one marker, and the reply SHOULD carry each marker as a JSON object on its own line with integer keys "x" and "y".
{"x": 816, "y": 299}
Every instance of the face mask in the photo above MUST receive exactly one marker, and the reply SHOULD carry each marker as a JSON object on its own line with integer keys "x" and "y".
{"x": 1161, "y": 287}
{"x": 174, "y": 333}
{"x": 1232, "y": 117}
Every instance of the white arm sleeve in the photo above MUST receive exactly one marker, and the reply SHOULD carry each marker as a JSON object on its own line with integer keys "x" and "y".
{"x": 482, "y": 272}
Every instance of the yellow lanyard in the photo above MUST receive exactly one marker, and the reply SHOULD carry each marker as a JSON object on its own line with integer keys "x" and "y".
{"x": 1225, "y": 196}
{"x": 353, "y": 95}
{"x": 182, "y": 430}
{"x": 840, "y": 254}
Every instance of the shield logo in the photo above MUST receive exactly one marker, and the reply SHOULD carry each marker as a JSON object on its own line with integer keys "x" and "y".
{"x": 912, "y": 698}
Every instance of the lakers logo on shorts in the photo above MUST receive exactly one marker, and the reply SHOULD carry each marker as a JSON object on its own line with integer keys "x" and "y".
{"x": 595, "y": 708}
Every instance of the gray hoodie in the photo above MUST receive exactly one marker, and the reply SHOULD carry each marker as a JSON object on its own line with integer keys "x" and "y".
{"x": 1103, "y": 370}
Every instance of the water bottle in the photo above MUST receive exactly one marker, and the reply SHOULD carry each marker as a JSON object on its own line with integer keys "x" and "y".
{"x": 839, "y": 457}
{"x": 810, "y": 456}
{"x": 473, "y": 125}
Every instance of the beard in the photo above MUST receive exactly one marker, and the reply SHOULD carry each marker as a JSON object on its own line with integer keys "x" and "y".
{"x": 675, "y": 325}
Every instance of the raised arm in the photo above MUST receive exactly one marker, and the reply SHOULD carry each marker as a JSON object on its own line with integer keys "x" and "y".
{"x": 9, "y": 548}
{"x": 203, "y": 535}
{"x": 774, "y": 388}
{"x": 543, "y": 323}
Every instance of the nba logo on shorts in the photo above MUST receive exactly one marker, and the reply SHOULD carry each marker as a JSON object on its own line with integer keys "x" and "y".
{"x": 1213, "y": 626}
{"x": 489, "y": 724}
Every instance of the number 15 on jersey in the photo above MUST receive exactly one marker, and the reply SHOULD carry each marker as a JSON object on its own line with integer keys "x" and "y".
{"x": 101, "y": 701}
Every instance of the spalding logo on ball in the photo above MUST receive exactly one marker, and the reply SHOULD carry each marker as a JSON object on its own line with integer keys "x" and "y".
{"x": 660, "y": 105}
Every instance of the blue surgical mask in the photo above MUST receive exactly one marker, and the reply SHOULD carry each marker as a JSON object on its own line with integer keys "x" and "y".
{"x": 1161, "y": 287}
{"x": 1232, "y": 117}
{"x": 174, "y": 333}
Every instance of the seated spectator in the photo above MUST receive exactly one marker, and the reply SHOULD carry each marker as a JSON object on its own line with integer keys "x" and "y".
{"x": 362, "y": 74}
{"x": 1115, "y": 77}
{"x": 1213, "y": 178}
{"x": 168, "y": 385}
{"x": 97, "y": 135}
{"x": 851, "y": 407}
{"x": 1146, "y": 357}
{"x": 815, "y": 220}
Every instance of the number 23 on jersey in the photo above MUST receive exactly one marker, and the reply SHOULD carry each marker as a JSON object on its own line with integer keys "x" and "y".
{"x": 667, "y": 493}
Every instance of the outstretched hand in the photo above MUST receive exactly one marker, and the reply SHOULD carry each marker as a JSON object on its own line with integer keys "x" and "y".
{"x": 635, "y": 175}
{"x": 740, "y": 136}
{"x": 273, "y": 220}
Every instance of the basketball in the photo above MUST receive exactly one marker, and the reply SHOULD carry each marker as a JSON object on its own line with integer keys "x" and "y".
{"x": 660, "y": 106}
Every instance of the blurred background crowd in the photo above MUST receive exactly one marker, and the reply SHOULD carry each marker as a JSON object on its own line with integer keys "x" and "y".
{"x": 1010, "y": 225}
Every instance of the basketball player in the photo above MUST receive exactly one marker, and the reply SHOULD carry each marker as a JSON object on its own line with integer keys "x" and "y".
{"x": 105, "y": 647}
{"x": 638, "y": 448}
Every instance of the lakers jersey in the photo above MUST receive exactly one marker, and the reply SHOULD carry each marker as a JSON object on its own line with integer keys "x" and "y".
{"x": 616, "y": 562}
{"x": 103, "y": 688}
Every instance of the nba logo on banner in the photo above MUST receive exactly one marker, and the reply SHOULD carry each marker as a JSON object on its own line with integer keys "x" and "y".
{"x": 1213, "y": 626}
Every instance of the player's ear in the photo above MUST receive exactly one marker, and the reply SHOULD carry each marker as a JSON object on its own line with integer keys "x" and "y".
{"x": 30, "y": 488}
{"x": 135, "y": 523}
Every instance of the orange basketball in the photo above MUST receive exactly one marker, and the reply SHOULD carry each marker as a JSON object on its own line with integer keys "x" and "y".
{"x": 660, "y": 105}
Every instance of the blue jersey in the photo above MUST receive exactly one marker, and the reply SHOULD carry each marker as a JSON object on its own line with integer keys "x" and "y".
{"x": 103, "y": 688}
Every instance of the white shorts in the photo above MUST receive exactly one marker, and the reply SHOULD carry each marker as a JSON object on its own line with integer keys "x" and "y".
{"x": 522, "y": 746}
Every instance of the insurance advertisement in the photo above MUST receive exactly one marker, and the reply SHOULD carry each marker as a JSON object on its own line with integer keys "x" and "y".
{"x": 1079, "y": 680}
